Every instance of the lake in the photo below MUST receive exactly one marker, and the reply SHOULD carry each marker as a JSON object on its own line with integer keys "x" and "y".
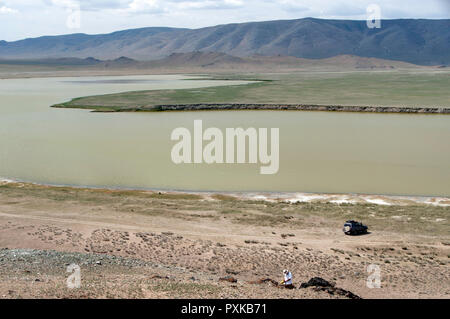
{"x": 395, "y": 154}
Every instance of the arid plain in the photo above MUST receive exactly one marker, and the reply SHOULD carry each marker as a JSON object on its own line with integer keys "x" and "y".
{"x": 151, "y": 244}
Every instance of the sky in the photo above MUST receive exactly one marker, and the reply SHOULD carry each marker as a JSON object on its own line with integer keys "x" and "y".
{"x": 21, "y": 19}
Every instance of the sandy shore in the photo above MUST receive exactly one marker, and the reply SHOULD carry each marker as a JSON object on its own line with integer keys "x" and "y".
{"x": 142, "y": 244}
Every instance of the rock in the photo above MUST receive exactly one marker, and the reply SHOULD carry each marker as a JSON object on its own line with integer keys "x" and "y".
{"x": 159, "y": 277}
{"x": 316, "y": 282}
{"x": 228, "y": 279}
{"x": 231, "y": 271}
{"x": 263, "y": 281}
{"x": 321, "y": 284}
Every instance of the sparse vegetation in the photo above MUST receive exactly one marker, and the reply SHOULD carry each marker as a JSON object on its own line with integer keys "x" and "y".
{"x": 414, "y": 219}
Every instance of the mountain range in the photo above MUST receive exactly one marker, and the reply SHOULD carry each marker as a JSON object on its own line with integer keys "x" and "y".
{"x": 215, "y": 61}
{"x": 418, "y": 41}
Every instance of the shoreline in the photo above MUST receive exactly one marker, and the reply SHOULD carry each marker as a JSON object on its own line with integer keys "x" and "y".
{"x": 271, "y": 196}
{"x": 262, "y": 107}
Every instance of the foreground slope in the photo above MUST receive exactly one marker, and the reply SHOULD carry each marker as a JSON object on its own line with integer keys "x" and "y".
{"x": 138, "y": 244}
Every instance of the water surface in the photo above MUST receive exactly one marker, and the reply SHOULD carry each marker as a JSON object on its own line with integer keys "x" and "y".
{"x": 319, "y": 152}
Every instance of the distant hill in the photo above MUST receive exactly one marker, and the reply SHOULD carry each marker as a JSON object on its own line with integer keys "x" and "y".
{"x": 198, "y": 58}
{"x": 71, "y": 61}
{"x": 418, "y": 41}
{"x": 218, "y": 61}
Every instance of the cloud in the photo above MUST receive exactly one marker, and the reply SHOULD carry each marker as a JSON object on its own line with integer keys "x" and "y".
{"x": 143, "y": 6}
{"x": 293, "y": 5}
{"x": 173, "y": 7}
{"x": 210, "y": 4}
{"x": 44, "y": 17}
{"x": 97, "y": 5}
{"x": 67, "y": 4}
{"x": 6, "y": 10}
{"x": 85, "y": 5}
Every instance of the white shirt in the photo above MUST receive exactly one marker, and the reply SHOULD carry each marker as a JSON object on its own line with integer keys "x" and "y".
{"x": 288, "y": 278}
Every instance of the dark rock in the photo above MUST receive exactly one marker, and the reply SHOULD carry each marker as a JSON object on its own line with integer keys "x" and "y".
{"x": 316, "y": 282}
{"x": 159, "y": 277}
{"x": 321, "y": 284}
{"x": 228, "y": 279}
{"x": 231, "y": 271}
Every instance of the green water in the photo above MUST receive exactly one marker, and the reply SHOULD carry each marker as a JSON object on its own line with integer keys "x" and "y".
{"x": 319, "y": 152}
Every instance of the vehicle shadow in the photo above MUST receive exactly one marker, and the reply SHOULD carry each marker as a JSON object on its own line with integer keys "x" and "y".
{"x": 362, "y": 234}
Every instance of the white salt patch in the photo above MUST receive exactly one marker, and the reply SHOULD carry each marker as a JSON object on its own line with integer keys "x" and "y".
{"x": 377, "y": 201}
{"x": 6, "y": 180}
{"x": 343, "y": 200}
{"x": 437, "y": 202}
{"x": 306, "y": 198}
{"x": 260, "y": 197}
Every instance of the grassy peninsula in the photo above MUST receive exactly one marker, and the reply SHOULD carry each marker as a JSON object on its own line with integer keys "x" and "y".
{"x": 396, "y": 89}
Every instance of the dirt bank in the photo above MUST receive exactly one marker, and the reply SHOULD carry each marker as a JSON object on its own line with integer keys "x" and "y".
{"x": 282, "y": 107}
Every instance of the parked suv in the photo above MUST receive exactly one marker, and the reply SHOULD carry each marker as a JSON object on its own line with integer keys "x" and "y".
{"x": 352, "y": 227}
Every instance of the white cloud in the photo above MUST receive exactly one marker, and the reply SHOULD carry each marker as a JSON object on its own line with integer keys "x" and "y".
{"x": 210, "y": 4}
{"x": 43, "y": 17}
{"x": 143, "y": 6}
{"x": 5, "y": 10}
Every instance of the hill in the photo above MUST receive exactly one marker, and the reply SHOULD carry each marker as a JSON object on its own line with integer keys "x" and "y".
{"x": 417, "y": 41}
{"x": 210, "y": 62}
